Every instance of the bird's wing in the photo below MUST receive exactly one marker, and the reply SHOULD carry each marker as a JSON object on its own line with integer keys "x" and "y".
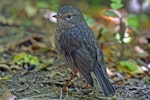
{"x": 75, "y": 45}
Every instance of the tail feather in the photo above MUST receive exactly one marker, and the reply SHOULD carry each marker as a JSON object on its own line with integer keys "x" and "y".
{"x": 104, "y": 82}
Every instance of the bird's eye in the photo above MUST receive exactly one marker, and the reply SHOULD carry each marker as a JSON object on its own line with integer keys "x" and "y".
{"x": 69, "y": 16}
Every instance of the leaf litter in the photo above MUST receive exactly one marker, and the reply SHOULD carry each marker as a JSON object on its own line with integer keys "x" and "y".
{"x": 46, "y": 80}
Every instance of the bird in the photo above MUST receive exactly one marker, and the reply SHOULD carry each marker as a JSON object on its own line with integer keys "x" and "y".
{"x": 78, "y": 47}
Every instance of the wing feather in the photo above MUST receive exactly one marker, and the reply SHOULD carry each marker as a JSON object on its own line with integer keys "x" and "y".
{"x": 76, "y": 53}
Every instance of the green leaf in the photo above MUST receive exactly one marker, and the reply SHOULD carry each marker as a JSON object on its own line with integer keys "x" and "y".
{"x": 104, "y": 30}
{"x": 127, "y": 38}
{"x": 42, "y": 4}
{"x": 6, "y": 77}
{"x": 90, "y": 21}
{"x": 25, "y": 58}
{"x": 130, "y": 65}
{"x": 148, "y": 81}
{"x": 110, "y": 13}
{"x": 116, "y": 6}
{"x": 116, "y": 1}
{"x": 133, "y": 20}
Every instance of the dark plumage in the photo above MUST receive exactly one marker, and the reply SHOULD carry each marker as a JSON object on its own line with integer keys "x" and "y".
{"x": 77, "y": 45}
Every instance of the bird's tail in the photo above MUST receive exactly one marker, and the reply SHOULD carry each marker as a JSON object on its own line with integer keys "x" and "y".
{"x": 103, "y": 80}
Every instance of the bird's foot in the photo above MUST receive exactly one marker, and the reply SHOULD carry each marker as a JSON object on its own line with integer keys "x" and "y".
{"x": 66, "y": 90}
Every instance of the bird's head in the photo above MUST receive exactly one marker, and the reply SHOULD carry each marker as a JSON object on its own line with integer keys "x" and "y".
{"x": 68, "y": 17}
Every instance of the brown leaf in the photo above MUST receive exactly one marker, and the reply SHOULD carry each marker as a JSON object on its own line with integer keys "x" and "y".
{"x": 7, "y": 95}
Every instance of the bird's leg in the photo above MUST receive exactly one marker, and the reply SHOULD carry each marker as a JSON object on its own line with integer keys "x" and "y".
{"x": 66, "y": 85}
{"x": 87, "y": 86}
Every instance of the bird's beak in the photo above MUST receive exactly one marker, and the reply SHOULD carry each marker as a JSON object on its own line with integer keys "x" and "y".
{"x": 57, "y": 16}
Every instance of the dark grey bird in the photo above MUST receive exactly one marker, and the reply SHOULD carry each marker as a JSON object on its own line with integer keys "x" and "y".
{"x": 77, "y": 45}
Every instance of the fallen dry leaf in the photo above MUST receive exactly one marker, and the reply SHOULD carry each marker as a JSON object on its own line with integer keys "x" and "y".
{"x": 7, "y": 95}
